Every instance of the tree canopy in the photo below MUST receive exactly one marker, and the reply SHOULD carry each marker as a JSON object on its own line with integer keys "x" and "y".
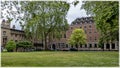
{"x": 44, "y": 19}
{"x": 106, "y": 16}
{"x": 77, "y": 37}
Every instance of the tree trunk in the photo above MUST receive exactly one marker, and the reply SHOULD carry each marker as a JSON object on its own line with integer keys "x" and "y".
{"x": 45, "y": 43}
{"x": 78, "y": 47}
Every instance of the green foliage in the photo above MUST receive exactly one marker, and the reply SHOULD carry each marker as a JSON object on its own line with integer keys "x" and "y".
{"x": 41, "y": 18}
{"x": 106, "y": 16}
{"x": 45, "y": 18}
{"x": 10, "y": 46}
{"x": 24, "y": 44}
{"x": 77, "y": 37}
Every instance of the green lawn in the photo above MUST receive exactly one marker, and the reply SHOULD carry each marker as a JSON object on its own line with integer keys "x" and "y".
{"x": 60, "y": 59}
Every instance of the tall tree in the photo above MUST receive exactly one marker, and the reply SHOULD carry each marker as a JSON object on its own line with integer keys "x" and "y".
{"x": 106, "y": 16}
{"x": 45, "y": 18}
{"x": 77, "y": 37}
{"x": 38, "y": 18}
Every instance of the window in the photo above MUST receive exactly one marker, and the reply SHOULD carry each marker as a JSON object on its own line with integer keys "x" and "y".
{"x": 66, "y": 45}
{"x": 4, "y": 40}
{"x": 80, "y": 46}
{"x": 90, "y": 32}
{"x": 113, "y": 46}
{"x": 59, "y": 45}
{"x": 4, "y": 32}
{"x": 95, "y": 39}
{"x": 19, "y": 35}
{"x": 63, "y": 45}
{"x": 89, "y": 26}
{"x": 90, "y": 38}
{"x": 80, "y": 26}
{"x": 84, "y": 26}
{"x": 90, "y": 45}
{"x": 95, "y": 45}
{"x": 64, "y": 35}
{"x": 15, "y": 35}
{"x": 76, "y": 46}
{"x": 90, "y": 21}
{"x": 85, "y": 45}
{"x": 15, "y": 40}
{"x": 71, "y": 27}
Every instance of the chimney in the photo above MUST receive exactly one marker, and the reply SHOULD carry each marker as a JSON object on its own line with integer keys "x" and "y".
{"x": 13, "y": 27}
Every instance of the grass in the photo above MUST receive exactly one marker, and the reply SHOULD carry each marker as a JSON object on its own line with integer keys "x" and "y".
{"x": 60, "y": 59}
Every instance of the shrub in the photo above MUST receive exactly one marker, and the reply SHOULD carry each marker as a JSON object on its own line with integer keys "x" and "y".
{"x": 10, "y": 46}
{"x": 24, "y": 44}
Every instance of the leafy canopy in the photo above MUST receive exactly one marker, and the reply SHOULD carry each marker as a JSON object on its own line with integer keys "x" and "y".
{"x": 106, "y": 14}
{"x": 44, "y": 19}
{"x": 77, "y": 37}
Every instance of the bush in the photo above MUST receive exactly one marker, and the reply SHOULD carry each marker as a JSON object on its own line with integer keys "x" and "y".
{"x": 10, "y": 46}
{"x": 24, "y": 44}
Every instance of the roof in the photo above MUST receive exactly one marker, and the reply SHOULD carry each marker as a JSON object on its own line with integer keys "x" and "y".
{"x": 12, "y": 29}
{"x": 16, "y": 30}
{"x": 83, "y": 20}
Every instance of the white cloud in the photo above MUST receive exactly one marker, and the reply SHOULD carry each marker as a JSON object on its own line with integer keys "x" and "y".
{"x": 75, "y": 12}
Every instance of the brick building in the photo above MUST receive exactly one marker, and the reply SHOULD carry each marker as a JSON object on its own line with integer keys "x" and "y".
{"x": 88, "y": 25}
{"x": 85, "y": 23}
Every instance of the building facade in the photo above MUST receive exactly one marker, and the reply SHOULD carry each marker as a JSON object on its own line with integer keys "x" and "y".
{"x": 85, "y": 23}
{"x": 88, "y": 25}
{"x": 8, "y": 33}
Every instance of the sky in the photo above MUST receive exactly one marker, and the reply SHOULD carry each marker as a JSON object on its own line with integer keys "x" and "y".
{"x": 73, "y": 13}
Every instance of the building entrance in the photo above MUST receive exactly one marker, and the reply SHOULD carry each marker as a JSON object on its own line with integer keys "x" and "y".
{"x": 107, "y": 46}
{"x": 53, "y": 46}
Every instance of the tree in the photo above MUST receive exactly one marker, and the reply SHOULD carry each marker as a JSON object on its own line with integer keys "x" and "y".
{"x": 10, "y": 46}
{"x": 38, "y": 18}
{"x": 44, "y": 19}
{"x": 77, "y": 37}
{"x": 106, "y": 16}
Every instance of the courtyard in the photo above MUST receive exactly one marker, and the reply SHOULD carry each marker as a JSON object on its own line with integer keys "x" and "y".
{"x": 60, "y": 59}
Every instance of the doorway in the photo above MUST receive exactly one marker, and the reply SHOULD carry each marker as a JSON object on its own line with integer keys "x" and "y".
{"x": 53, "y": 46}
